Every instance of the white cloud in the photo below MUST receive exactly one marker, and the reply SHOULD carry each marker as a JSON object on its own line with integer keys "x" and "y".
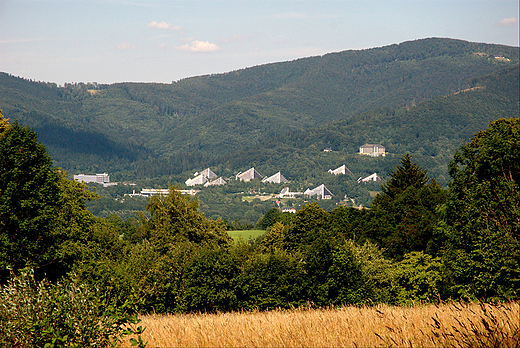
{"x": 125, "y": 46}
{"x": 507, "y": 22}
{"x": 199, "y": 46}
{"x": 163, "y": 25}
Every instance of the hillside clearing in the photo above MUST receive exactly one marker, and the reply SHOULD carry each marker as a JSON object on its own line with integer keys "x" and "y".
{"x": 245, "y": 234}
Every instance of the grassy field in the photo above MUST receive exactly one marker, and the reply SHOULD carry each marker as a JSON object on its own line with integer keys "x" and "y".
{"x": 455, "y": 325}
{"x": 245, "y": 234}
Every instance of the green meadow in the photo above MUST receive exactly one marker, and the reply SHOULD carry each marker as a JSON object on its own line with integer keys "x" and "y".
{"x": 245, "y": 234}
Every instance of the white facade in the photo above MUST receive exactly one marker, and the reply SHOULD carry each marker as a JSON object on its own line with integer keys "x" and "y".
{"x": 249, "y": 175}
{"x": 277, "y": 178}
{"x": 216, "y": 182}
{"x": 285, "y": 193}
{"x": 372, "y": 177}
{"x": 340, "y": 170}
{"x": 103, "y": 179}
{"x": 162, "y": 192}
{"x": 374, "y": 150}
{"x": 320, "y": 191}
{"x": 201, "y": 178}
{"x": 152, "y": 192}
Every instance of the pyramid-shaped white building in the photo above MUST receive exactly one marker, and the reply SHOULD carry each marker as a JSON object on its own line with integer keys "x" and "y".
{"x": 320, "y": 191}
{"x": 216, "y": 182}
{"x": 201, "y": 178}
{"x": 249, "y": 175}
{"x": 276, "y": 179}
{"x": 340, "y": 170}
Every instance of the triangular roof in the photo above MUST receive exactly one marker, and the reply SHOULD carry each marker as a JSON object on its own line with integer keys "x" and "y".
{"x": 371, "y": 177}
{"x": 198, "y": 180}
{"x": 215, "y": 182}
{"x": 276, "y": 179}
{"x": 249, "y": 175}
{"x": 201, "y": 178}
{"x": 340, "y": 170}
{"x": 208, "y": 173}
{"x": 320, "y": 191}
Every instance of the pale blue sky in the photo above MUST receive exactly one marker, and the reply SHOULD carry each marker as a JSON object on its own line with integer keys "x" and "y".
{"x": 110, "y": 41}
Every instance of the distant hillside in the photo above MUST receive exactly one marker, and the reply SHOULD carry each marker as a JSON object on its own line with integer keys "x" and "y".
{"x": 147, "y": 130}
{"x": 431, "y": 130}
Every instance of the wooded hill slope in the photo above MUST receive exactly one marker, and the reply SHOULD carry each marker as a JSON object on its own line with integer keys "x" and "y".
{"x": 431, "y": 131}
{"x": 371, "y": 95}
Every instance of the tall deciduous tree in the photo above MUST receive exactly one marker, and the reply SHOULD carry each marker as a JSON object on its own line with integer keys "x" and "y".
{"x": 43, "y": 221}
{"x": 29, "y": 196}
{"x": 175, "y": 218}
{"x": 483, "y": 214}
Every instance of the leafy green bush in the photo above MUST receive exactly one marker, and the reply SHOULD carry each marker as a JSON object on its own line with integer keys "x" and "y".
{"x": 66, "y": 314}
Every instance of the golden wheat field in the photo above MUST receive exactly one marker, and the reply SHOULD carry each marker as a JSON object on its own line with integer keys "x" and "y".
{"x": 444, "y": 325}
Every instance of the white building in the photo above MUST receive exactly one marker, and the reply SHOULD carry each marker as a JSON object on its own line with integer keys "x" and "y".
{"x": 285, "y": 193}
{"x": 373, "y": 150}
{"x": 216, "y": 182}
{"x": 248, "y": 175}
{"x": 201, "y": 178}
{"x": 340, "y": 170}
{"x": 372, "y": 177}
{"x": 162, "y": 192}
{"x": 103, "y": 179}
{"x": 277, "y": 178}
{"x": 153, "y": 192}
{"x": 320, "y": 191}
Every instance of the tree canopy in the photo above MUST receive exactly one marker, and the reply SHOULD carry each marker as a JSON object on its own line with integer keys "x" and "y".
{"x": 483, "y": 213}
{"x": 40, "y": 210}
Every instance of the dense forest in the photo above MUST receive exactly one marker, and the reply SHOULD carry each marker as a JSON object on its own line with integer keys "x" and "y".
{"x": 418, "y": 242}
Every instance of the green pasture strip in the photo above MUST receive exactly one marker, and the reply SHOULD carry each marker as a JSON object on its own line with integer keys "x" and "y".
{"x": 245, "y": 234}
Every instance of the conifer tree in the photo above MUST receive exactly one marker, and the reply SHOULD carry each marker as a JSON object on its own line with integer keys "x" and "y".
{"x": 404, "y": 214}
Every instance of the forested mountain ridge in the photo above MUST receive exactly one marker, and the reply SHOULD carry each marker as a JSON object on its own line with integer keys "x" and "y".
{"x": 109, "y": 127}
{"x": 432, "y": 130}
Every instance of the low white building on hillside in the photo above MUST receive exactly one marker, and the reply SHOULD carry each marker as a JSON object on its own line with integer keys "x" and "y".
{"x": 291, "y": 210}
{"x": 162, "y": 192}
{"x": 103, "y": 179}
{"x": 285, "y": 193}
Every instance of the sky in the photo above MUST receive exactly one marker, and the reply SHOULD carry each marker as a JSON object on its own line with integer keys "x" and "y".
{"x": 108, "y": 41}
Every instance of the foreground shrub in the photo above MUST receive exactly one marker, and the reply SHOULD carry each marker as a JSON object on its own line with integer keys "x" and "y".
{"x": 65, "y": 314}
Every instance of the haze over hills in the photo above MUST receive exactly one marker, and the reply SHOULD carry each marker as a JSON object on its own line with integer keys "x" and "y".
{"x": 405, "y": 96}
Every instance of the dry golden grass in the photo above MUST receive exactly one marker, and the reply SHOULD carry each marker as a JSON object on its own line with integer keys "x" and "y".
{"x": 455, "y": 325}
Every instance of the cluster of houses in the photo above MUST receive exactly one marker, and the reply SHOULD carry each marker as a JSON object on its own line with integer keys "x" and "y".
{"x": 208, "y": 178}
